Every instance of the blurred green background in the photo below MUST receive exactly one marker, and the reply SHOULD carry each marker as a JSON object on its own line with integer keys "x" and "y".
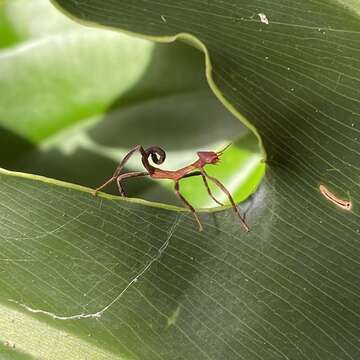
{"x": 74, "y": 100}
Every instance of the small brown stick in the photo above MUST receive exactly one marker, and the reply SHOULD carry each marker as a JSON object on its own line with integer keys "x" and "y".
{"x": 158, "y": 156}
{"x": 343, "y": 204}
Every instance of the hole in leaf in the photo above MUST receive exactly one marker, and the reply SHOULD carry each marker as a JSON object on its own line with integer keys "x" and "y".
{"x": 116, "y": 92}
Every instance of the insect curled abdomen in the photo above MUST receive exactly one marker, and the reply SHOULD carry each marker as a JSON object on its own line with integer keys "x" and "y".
{"x": 157, "y": 154}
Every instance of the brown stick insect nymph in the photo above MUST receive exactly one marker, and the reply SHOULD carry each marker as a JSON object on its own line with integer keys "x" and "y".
{"x": 195, "y": 169}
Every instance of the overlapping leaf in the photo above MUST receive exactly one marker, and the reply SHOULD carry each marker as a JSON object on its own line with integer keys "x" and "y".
{"x": 289, "y": 289}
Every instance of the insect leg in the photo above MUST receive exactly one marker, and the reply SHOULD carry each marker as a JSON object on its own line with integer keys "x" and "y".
{"x": 128, "y": 175}
{"x": 226, "y": 191}
{"x": 120, "y": 167}
{"x": 127, "y": 157}
{"x": 209, "y": 191}
{"x": 196, "y": 173}
{"x": 102, "y": 186}
{"x": 188, "y": 205}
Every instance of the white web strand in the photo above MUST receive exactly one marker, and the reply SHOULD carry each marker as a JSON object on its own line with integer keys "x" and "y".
{"x": 99, "y": 313}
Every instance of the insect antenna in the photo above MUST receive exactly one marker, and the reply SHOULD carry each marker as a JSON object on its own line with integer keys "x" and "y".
{"x": 219, "y": 153}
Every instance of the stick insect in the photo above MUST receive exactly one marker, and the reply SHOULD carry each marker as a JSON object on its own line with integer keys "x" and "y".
{"x": 158, "y": 156}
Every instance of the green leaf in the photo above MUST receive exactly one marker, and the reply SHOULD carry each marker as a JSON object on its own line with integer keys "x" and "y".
{"x": 37, "y": 71}
{"x": 109, "y": 277}
{"x": 82, "y": 90}
{"x": 289, "y": 289}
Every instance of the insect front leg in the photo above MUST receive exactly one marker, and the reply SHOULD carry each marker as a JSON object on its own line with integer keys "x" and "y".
{"x": 197, "y": 173}
{"x": 226, "y": 191}
{"x": 209, "y": 191}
